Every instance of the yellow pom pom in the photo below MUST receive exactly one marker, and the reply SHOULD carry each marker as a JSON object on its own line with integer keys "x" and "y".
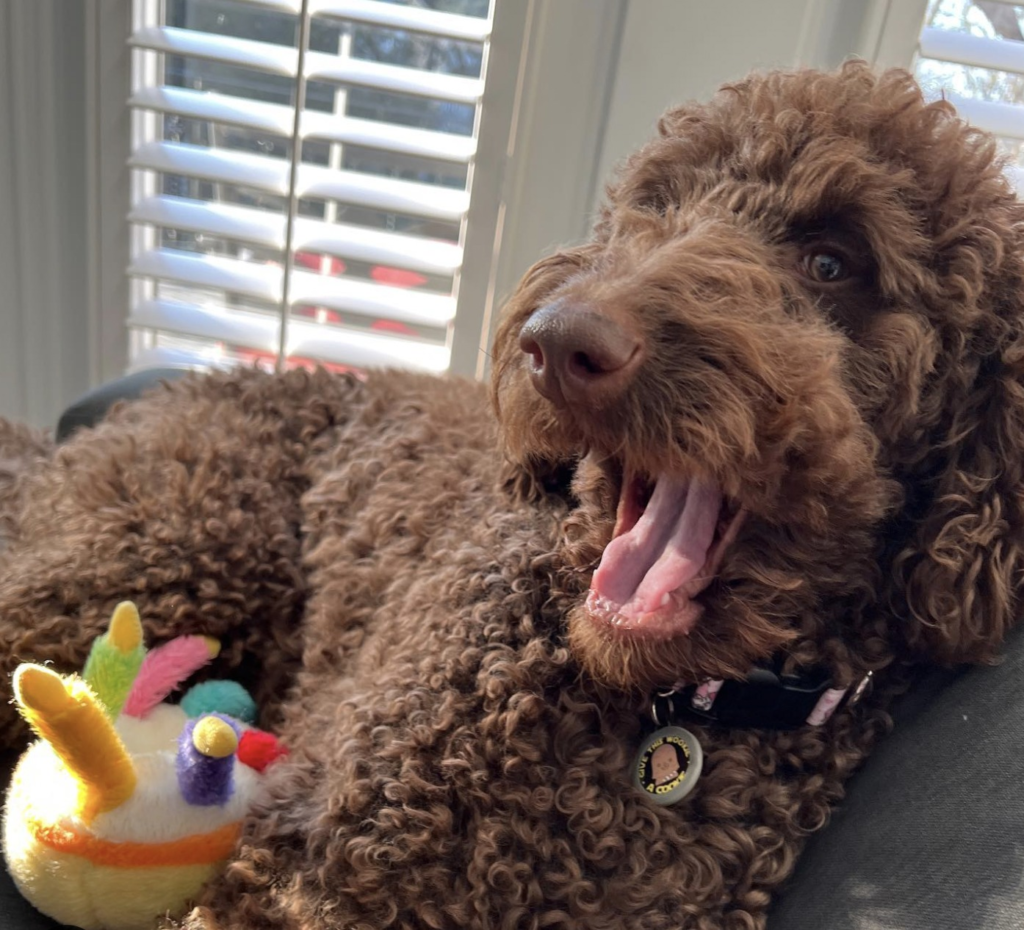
{"x": 214, "y": 738}
{"x": 125, "y": 631}
{"x": 213, "y": 645}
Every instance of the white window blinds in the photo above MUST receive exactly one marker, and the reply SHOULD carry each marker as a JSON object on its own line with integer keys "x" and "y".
{"x": 972, "y": 53}
{"x": 301, "y": 178}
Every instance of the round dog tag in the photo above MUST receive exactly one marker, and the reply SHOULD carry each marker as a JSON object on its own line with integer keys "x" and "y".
{"x": 668, "y": 765}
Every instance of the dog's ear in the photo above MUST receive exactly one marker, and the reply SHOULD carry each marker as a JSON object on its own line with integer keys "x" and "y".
{"x": 959, "y": 574}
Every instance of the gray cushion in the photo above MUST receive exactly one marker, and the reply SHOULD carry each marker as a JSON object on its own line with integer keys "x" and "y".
{"x": 90, "y": 409}
{"x": 931, "y": 835}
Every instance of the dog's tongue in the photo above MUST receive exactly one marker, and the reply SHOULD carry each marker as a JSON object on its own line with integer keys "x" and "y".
{"x": 664, "y": 550}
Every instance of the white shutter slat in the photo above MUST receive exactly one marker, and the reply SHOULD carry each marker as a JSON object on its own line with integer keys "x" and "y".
{"x": 166, "y": 357}
{"x": 277, "y": 59}
{"x": 415, "y": 19}
{"x": 372, "y": 134}
{"x": 217, "y": 108}
{"x": 271, "y": 174}
{"x": 224, "y": 165}
{"x": 264, "y": 283}
{"x": 1003, "y": 119}
{"x": 256, "y": 331}
{"x": 275, "y": 118}
{"x": 363, "y": 350}
{"x": 377, "y": 247}
{"x": 323, "y": 67}
{"x": 239, "y": 327}
{"x": 268, "y": 230}
{"x": 372, "y": 300}
{"x": 219, "y": 219}
{"x": 210, "y": 271}
{"x": 285, "y": 6}
{"x": 380, "y": 193}
{"x": 965, "y": 49}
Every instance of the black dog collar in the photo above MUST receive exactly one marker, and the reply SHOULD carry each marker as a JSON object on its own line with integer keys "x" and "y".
{"x": 670, "y": 760}
{"x": 766, "y": 699}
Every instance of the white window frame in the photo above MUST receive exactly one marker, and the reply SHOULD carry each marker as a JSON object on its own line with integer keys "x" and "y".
{"x": 108, "y": 147}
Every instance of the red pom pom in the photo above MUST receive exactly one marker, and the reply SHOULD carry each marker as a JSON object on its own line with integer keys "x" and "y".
{"x": 258, "y": 749}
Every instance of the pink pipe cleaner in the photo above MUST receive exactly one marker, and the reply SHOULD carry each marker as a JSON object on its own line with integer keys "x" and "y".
{"x": 166, "y": 667}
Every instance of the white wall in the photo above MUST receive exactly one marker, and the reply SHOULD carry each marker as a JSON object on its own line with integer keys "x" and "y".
{"x": 44, "y": 358}
{"x": 568, "y": 70}
{"x": 678, "y": 50}
{"x": 662, "y": 53}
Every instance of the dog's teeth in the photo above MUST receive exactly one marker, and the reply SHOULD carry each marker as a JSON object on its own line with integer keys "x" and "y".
{"x": 665, "y": 598}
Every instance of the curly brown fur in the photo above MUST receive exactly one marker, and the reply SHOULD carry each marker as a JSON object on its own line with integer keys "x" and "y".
{"x": 22, "y": 452}
{"x": 188, "y": 504}
{"x": 406, "y": 592}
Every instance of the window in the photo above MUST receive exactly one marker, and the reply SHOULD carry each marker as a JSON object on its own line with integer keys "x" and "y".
{"x": 301, "y": 179}
{"x": 972, "y": 52}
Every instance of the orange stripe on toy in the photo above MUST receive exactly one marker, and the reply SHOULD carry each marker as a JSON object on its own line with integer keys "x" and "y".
{"x": 199, "y": 849}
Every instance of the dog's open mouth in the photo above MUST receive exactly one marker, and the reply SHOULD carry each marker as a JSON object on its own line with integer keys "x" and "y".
{"x": 670, "y": 536}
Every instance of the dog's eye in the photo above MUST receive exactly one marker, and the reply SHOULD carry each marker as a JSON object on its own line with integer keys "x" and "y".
{"x": 825, "y": 266}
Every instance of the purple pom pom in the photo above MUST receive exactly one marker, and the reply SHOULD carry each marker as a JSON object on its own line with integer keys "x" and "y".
{"x": 206, "y": 760}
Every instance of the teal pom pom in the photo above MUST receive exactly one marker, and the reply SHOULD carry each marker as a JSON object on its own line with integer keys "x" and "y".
{"x": 219, "y": 697}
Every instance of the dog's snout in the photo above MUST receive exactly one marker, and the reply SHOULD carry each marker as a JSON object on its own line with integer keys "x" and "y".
{"x": 578, "y": 355}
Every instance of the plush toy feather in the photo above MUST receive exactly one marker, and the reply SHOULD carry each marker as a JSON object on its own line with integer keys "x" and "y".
{"x": 113, "y": 819}
{"x": 163, "y": 669}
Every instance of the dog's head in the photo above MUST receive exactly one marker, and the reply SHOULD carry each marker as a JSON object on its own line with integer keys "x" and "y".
{"x": 786, "y": 373}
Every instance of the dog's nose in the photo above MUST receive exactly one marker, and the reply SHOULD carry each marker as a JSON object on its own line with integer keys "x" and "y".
{"x": 578, "y": 355}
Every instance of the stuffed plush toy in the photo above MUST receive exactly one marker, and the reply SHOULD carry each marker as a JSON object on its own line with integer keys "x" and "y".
{"x": 127, "y": 805}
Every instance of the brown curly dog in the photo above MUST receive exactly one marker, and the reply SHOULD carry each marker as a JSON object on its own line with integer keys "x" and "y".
{"x": 771, "y": 414}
